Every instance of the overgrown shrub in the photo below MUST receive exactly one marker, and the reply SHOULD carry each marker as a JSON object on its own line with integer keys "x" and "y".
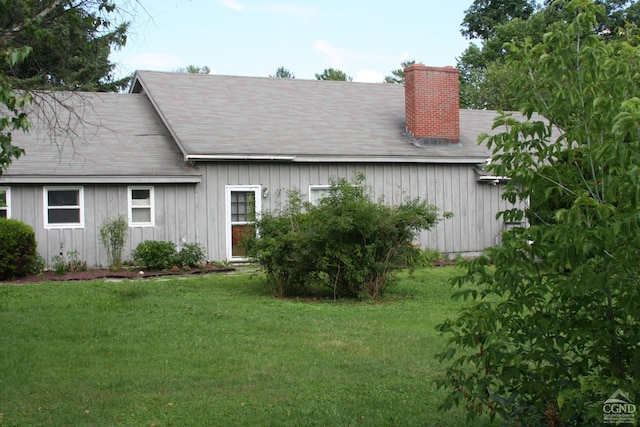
{"x": 190, "y": 255}
{"x": 347, "y": 243}
{"x": 17, "y": 250}
{"x": 155, "y": 254}
{"x": 113, "y": 234}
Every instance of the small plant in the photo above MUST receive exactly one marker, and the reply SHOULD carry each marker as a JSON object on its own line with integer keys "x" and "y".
{"x": 429, "y": 256}
{"x": 190, "y": 255}
{"x": 59, "y": 262}
{"x": 155, "y": 254}
{"x": 71, "y": 262}
{"x": 113, "y": 235}
{"x": 74, "y": 263}
{"x": 38, "y": 265}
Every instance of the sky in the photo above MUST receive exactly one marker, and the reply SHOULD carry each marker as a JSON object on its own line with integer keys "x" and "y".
{"x": 366, "y": 39}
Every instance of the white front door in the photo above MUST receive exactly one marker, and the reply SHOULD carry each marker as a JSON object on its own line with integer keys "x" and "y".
{"x": 241, "y": 202}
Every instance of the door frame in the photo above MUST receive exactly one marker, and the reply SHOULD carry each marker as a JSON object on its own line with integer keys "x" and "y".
{"x": 257, "y": 191}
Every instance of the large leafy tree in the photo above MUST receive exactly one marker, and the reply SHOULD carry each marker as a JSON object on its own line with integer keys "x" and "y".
{"x": 484, "y": 16}
{"x": 553, "y": 328}
{"x": 492, "y": 23}
{"x": 53, "y": 44}
{"x": 333, "y": 74}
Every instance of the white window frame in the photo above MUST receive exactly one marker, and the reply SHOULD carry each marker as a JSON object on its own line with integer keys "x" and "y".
{"x": 257, "y": 191}
{"x": 7, "y": 209}
{"x": 317, "y": 187}
{"x": 80, "y": 207}
{"x": 151, "y": 206}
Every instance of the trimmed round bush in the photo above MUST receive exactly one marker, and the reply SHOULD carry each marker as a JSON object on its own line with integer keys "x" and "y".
{"x": 17, "y": 250}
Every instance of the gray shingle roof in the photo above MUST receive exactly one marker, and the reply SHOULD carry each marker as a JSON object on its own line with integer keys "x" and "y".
{"x": 215, "y": 117}
{"x": 97, "y": 137}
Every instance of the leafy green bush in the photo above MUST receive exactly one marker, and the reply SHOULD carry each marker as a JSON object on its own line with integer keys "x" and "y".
{"x": 347, "y": 243}
{"x": 155, "y": 254}
{"x": 18, "y": 249}
{"x": 113, "y": 235}
{"x": 190, "y": 255}
{"x": 553, "y": 328}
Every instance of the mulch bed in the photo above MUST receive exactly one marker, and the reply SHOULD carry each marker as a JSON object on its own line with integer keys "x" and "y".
{"x": 101, "y": 273}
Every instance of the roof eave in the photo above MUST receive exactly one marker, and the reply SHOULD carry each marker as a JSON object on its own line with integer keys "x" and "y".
{"x": 98, "y": 179}
{"x": 471, "y": 160}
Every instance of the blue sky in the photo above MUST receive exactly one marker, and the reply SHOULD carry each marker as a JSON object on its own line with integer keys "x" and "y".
{"x": 364, "y": 38}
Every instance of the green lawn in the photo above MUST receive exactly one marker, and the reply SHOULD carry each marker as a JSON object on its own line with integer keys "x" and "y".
{"x": 220, "y": 350}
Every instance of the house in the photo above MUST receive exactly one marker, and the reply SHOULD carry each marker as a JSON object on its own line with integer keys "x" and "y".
{"x": 182, "y": 156}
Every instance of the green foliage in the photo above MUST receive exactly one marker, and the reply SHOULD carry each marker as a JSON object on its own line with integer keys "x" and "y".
{"x": 429, "y": 256}
{"x": 38, "y": 265}
{"x": 155, "y": 254}
{"x": 70, "y": 262}
{"x": 484, "y": 16}
{"x": 113, "y": 234}
{"x": 190, "y": 255}
{"x": 484, "y": 79}
{"x": 397, "y": 76}
{"x": 553, "y": 327}
{"x": 194, "y": 69}
{"x": 159, "y": 255}
{"x": 333, "y": 74}
{"x": 70, "y": 43}
{"x": 283, "y": 73}
{"x": 18, "y": 249}
{"x": 347, "y": 243}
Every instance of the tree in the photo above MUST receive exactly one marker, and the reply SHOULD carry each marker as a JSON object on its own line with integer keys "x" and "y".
{"x": 397, "y": 76}
{"x": 70, "y": 42}
{"x": 194, "y": 69}
{"x": 484, "y": 16}
{"x": 553, "y": 328}
{"x": 333, "y": 74}
{"x": 53, "y": 44}
{"x": 493, "y": 23}
{"x": 283, "y": 73}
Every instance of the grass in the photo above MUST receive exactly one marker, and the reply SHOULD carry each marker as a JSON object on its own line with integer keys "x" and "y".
{"x": 220, "y": 350}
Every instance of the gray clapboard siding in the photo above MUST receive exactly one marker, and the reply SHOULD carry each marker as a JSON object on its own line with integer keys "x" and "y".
{"x": 175, "y": 219}
{"x": 196, "y": 212}
{"x": 452, "y": 188}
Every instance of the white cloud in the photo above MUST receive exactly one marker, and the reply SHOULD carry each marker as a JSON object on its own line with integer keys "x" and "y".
{"x": 368, "y": 76}
{"x": 233, "y": 5}
{"x": 304, "y": 12}
{"x": 334, "y": 55}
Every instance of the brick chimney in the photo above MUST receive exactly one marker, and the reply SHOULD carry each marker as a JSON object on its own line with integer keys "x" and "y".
{"x": 432, "y": 104}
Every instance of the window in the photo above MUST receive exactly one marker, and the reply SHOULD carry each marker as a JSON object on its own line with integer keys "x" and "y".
{"x": 5, "y": 202}
{"x": 141, "y": 211}
{"x": 64, "y": 207}
{"x": 317, "y": 192}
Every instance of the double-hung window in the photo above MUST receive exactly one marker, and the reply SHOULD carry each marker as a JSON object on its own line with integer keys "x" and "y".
{"x": 317, "y": 192}
{"x": 141, "y": 207}
{"x": 64, "y": 207}
{"x": 5, "y": 202}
